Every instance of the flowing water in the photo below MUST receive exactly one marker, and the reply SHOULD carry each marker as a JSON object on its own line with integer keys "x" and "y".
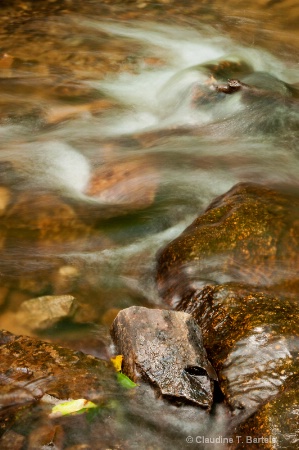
{"x": 113, "y": 138}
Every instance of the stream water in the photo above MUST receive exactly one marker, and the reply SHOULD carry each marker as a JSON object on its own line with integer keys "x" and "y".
{"x": 113, "y": 140}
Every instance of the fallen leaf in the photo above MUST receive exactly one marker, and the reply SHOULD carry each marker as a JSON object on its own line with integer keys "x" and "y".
{"x": 125, "y": 381}
{"x": 117, "y": 362}
{"x": 78, "y": 406}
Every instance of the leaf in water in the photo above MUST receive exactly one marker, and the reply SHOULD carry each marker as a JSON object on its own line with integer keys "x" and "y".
{"x": 78, "y": 406}
{"x": 125, "y": 381}
{"x": 122, "y": 378}
{"x": 117, "y": 362}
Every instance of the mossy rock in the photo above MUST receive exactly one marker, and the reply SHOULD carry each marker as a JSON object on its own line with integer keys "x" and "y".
{"x": 274, "y": 426}
{"x": 252, "y": 340}
{"x": 248, "y": 235}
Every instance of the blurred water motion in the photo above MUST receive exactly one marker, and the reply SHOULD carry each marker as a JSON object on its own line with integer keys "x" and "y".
{"x": 114, "y": 136}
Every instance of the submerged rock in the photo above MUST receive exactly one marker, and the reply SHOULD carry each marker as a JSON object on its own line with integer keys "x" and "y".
{"x": 165, "y": 347}
{"x": 44, "y": 312}
{"x": 132, "y": 183}
{"x": 11, "y": 440}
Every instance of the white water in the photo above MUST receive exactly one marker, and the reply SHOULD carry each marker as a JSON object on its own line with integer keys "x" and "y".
{"x": 151, "y": 98}
{"x": 193, "y": 169}
{"x": 159, "y": 98}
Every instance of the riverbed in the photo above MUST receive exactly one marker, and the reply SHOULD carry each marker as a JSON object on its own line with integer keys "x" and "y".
{"x": 113, "y": 139}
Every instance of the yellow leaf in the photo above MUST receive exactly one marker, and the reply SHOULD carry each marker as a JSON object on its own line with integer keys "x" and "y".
{"x": 117, "y": 362}
{"x": 73, "y": 406}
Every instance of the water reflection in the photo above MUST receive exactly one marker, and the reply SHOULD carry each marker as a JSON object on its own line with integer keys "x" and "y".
{"x": 114, "y": 137}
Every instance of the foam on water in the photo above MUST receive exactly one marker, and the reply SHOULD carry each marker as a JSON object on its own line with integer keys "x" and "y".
{"x": 52, "y": 164}
{"x": 153, "y": 98}
{"x": 160, "y": 97}
{"x": 180, "y": 45}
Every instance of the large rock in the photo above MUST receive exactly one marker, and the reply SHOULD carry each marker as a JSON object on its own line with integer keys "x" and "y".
{"x": 252, "y": 340}
{"x": 65, "y": 373}
{"x": 235, "y": 269}
{"x": 248, "y": 235}
{"x": 274, "y": 426}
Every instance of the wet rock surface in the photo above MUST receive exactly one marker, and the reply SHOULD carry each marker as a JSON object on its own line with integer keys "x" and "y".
{"x": 36, "y": 375}
{"x": 252, "y": 339}
{"x": 275, "y": 425}
{"x": 248, "y": 235}
{"x": 165, "y": 348}
{"x": 235, "y": 270}
{"x": 52, "y": 55}
{"x": 70, "y": 374}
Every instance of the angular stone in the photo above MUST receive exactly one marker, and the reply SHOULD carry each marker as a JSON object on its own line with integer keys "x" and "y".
{"x": 165, "y": 347}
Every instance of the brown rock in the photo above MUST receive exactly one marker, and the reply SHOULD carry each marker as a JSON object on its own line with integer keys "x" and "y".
{"x": 12, "y": 441}
{"x": 44, "y": 312}
{"x": 132, "y": 183}
{"x": 235, "y": 269}
{"x": 3, "y": 294}
{"x": 165, "y": 347}
{"x": 46, "y": 437}
{"x": 4, "y": 199}
{"x": 274, "y": 426}
{"x": 248, "y": 235}
{"x": 66, "y": 374}
{"x": 46, "y": 217}
{"x": 57, "y": 114}
{"x": 252, "y": 340}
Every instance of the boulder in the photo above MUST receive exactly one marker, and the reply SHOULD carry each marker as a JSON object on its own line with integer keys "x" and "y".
{"x": 274, "y": 426}
{"x": 252, "y": 340}
{"x": 248, "y": 235}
